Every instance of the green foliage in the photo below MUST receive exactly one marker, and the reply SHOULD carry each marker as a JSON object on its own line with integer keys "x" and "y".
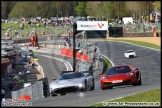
{"x": 99, "y": 9}
{"x": 80, "y": 8}
{"x": 120, "y": 10}
{"x": 107, "y": 9}
{"x": 107, "y": 64}
{"x": 157, "y": 5}
{"x": 93, "y": 8}
{"x": 148, "y": 96}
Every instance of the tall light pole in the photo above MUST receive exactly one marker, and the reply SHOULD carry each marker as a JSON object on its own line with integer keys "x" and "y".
{"x": 74, "y": 50}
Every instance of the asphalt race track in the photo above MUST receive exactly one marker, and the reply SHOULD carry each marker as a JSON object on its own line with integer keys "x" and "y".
{"x": 52, "y": 68}
{"x": 147, "y": 60}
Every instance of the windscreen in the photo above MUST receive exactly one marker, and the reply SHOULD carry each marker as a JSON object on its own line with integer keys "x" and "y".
{"x": 130, "y": 51}
{"x": 118, "y": 70}
{"x": 71, "y": 76}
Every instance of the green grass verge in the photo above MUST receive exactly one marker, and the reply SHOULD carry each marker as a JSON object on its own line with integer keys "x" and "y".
{"x": 139, "y": 43}
{"x": 28, "y": 28}
{"x": 133, "y": 42}
{"x": 149, "y": 96}
{"x": 107, "y": 64}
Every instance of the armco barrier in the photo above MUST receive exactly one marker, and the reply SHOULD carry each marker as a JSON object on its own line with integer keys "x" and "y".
{"x": 21, "y": 40}
{"x": 69, "y": 52}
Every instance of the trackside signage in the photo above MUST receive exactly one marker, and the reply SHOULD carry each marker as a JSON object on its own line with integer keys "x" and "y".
{"x": 92, "y": 25}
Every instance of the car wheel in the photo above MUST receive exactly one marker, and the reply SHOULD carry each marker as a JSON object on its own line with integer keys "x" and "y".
{"x": 63, "y": 94}
{"x": 103, "y": 88}
{"x": 136, "y": 83}
{"x": 110, "y": 87}
{"x": 85, "y": 89}
{"x": 140, "y": 81}
{"x": 53, "y": 95}
{"x": 92, "y": 88}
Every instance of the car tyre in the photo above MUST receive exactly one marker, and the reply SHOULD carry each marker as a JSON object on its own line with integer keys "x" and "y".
{"x": 92, "y": 88}
{"x": 140, "y": 81}
{"x": 103, "y": 88}
{"x": 52, "y": 95}
{"x": 63, "y": 94}
{"x": 85, "y": 89}
{"x": 136, "y": 83}
{"x": 110, "y": 87}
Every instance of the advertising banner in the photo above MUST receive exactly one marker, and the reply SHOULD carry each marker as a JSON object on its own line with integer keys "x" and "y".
{"x": 92, "y": 25}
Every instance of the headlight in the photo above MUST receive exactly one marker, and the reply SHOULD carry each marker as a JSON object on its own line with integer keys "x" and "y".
{"x": 130, "y": 74}
{"x": 105, "y": 78}
{"x": 80, "y": 85}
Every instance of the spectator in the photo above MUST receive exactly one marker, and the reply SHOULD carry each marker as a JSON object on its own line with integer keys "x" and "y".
{"x": 44, "y": 22}
{"x": 21, "y": 26}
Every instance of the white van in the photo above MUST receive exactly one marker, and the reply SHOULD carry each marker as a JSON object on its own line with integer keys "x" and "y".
{"x": 128, "y": 20}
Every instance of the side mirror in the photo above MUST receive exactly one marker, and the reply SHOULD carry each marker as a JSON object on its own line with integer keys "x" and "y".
{"x": 53, "y": 78}
{"x": 135, "y": 68}
{"x": 101, "y": 73}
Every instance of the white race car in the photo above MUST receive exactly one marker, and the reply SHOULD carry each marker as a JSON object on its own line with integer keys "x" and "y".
{"x": 130, "y": 54}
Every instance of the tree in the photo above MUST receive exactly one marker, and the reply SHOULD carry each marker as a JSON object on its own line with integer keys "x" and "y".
{"x": 120, "y": 10}
{"x": 16, "y": 11}
{"x": 133, "y": 6}
{"x": 157, "y": 5}
{"x": 57, "y": 4}
{"x": 6, "y": 7}
{"x": 107, "y": 9}
{"x": 93, "y": 8}
{"x": 80, "y": 9}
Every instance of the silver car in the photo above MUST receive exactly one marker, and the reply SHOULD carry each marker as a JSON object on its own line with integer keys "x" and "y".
{"x": 71, "y": 82}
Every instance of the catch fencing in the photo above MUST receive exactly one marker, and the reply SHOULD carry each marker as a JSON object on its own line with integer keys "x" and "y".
{"x": 95, "y": 64}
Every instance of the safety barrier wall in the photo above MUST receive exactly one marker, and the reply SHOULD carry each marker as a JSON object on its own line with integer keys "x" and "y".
{"x": 34, "y": 91}
{"x": 69, "y": 53}
{"x": 91, "y": 58}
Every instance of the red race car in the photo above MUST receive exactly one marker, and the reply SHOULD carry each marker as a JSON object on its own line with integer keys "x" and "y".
{"x": 120, "y": 75}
